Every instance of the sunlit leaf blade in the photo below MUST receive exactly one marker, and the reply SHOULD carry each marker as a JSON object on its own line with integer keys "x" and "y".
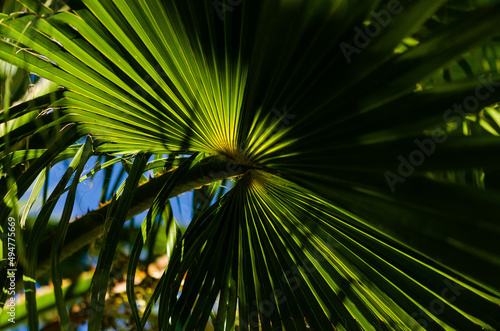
{"x": 37, "y": 231}
{"x": 33, "y": 196}
{"x": 365, "y": 166}
{"x": 60, "y": 235}
{"x": 158, "y": 205}
{"x": 67, "y": 138}
{"x": 114, "y": 224}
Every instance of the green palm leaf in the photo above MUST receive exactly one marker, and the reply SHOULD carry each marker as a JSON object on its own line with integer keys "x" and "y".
{"x": 330, "y": 224}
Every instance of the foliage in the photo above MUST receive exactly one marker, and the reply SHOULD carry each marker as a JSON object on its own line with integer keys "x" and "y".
{"x": 361, "y": 138}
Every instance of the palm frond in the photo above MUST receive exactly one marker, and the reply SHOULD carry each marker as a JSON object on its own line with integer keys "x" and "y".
{"x": 366, "y": 186}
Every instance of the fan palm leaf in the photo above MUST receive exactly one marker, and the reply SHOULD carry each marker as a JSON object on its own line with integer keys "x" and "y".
{"x": 329, "y": 225}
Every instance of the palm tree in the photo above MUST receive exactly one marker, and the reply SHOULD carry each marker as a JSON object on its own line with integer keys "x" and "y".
{"x": 361, "y": 138}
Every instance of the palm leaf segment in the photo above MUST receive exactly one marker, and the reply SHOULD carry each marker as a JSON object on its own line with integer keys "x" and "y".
{"x": 311, "y": 236}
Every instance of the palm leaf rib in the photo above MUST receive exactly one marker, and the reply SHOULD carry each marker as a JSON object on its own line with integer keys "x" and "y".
{"x": 85, "y": 229}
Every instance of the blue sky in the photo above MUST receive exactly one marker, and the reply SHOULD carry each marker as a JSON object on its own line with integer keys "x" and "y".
{"x": 88, "y": 196}
{"x": 89, "y": 193}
